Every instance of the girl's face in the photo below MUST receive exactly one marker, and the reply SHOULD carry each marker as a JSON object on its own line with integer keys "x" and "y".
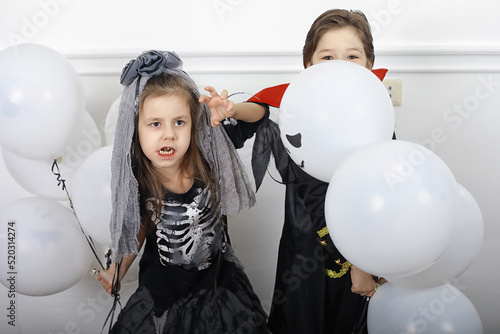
{"x": 340, "y": 44}
{"x": 164, "y": 129}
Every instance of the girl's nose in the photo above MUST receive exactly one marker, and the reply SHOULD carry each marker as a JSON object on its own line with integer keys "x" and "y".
{"x": 169, "y": 134}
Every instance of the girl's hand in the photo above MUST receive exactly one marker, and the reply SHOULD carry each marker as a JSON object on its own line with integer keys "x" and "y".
{"x": 106, "y": 278}
{"x": 220, "y": 106}
{"x": 362, "y": 283}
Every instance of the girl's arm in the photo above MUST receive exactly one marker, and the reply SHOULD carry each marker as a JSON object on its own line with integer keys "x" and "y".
{"x": 222, "y": 108}
{"x": 106, "y": 276}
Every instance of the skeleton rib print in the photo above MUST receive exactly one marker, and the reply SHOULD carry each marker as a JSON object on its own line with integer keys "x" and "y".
{"x": 187, "y": 233}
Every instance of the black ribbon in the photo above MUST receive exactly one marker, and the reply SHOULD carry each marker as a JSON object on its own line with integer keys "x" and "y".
{"x": 62, "y": 183}
{"x": 115, "y": 288}
{"x": 361, "y": 325}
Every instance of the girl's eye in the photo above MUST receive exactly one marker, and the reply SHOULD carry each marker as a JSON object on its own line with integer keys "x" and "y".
{"x": 328, "y": 58}
{"x": 155, "y": 124}
{"x": 352, "y": 57}
{"x": 179, "y": 123}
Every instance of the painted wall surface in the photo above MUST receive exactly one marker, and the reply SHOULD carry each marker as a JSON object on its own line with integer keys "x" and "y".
{"x": 446, "y": 53}
{"x": 238, "y": 25}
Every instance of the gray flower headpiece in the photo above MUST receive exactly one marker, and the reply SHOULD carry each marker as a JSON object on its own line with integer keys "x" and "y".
{"x": 148, "y": 64}
{"x": 215, "y": 146}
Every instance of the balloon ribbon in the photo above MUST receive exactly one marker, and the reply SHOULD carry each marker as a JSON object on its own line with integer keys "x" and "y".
{"x": 62, "y": 183}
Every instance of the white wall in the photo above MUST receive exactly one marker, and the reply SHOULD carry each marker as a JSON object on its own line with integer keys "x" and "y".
{"x": 443, "y": 51}
{"x": 238, "y": 25}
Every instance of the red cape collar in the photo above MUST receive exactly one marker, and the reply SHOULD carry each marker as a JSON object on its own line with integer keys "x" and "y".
{"x": 273, "y": 95}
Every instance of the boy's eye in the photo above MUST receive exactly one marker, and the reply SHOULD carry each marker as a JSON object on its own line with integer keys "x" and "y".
{"x": 352, "y": 57}
{"x": 328, "y": 58}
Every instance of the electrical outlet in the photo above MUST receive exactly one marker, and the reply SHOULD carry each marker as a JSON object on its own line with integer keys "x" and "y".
{"x": 395, "y": 89}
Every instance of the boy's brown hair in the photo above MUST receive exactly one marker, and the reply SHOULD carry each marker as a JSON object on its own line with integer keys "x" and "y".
{"x": 338, "y": 18}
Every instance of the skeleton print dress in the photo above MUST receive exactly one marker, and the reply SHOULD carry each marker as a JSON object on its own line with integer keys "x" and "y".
{"x": 189, "y": 279}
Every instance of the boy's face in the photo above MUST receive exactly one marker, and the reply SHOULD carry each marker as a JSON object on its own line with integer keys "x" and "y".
{"x": 340, "y": 44}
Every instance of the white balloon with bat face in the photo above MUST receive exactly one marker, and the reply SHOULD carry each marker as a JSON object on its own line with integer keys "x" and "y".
{"x": 331, "y": 109}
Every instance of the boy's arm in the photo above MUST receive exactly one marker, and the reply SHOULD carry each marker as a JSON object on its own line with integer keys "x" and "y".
{"x": 248, "y": 111}
{"x": 221, "y": 108}
{"x": 362, "y": 283}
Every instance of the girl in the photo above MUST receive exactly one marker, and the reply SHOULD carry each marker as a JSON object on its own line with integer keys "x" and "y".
{"x": 174, "y": 179}
{"x": 332, "y": 297}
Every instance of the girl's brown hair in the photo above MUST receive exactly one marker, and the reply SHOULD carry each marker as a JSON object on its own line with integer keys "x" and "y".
{"x": 192, "y": 164}
{"x": 338, "y": 18}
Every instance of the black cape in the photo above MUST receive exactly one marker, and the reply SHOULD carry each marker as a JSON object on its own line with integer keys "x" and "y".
{"x": 312, "y": 291}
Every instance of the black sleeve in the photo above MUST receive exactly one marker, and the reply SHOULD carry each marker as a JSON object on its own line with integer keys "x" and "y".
{"x": 239, "y": 131}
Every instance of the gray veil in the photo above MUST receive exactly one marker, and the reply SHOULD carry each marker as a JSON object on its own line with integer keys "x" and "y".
{"x": 235, "y": 192}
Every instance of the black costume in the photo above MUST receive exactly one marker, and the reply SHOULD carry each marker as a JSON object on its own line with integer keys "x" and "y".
{"x": 189, "y": 276}
{"x": 312, "y": 292}
{"x": 190, "y": 281}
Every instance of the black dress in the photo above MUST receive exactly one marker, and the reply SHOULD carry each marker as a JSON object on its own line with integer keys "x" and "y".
{"x": 189, "y": 279}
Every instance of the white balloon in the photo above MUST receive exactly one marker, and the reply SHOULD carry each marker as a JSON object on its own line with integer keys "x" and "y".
{"x": 41, "y": 101}
{"x": 38, "y": 176}
{"x": 110, "y": 124}
{"x": 467, "y": 238}
{"x": 331, "y": 109}
{"x": 443, "y": 309}
{"x": 43, "y": 248}
{"x": 91, "y": 194}
{"x": 391, "y": 207}
{"x": 85, "y": 141}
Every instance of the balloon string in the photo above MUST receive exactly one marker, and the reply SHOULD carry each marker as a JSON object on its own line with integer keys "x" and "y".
{"x": 116, "y": 298}
{"x": 237, "y": 93}
{"x": 62, "y": 183}
{"x": 361, "y": 325}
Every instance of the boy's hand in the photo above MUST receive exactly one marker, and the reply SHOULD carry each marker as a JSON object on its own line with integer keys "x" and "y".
{"x": 220, "y": 106}
{"x": 362, "y": 283}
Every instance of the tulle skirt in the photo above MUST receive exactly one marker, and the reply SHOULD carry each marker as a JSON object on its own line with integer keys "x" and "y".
{"x": 231, "y": 306}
